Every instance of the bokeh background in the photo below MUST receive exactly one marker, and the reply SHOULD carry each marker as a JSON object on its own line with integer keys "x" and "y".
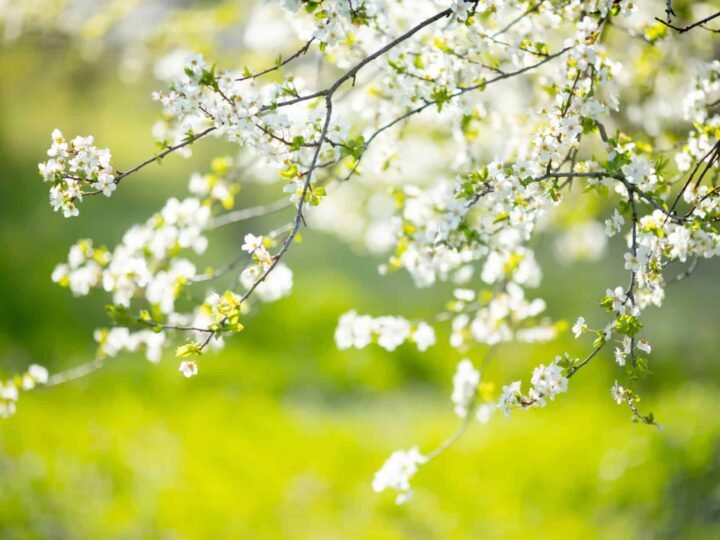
{"x": 281, "y": 434}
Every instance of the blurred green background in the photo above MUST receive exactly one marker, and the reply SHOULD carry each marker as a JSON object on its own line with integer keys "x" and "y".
{"x": 280, "y": 435}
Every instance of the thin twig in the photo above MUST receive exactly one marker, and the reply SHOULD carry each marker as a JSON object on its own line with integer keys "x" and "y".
{"x": 249, "y": 213}
{"x": 300, "y": 52}
{"x": 701, "y": 23}
{"x": 75, "y": 373}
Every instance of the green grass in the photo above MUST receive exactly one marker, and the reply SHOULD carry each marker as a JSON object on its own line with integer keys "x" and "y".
{"x": 98, "y": 459}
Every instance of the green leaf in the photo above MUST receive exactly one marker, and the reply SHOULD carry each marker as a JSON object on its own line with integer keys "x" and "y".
{"x": 192, "y": 348}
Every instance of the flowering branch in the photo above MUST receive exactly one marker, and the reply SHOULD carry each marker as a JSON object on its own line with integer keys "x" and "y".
{"x": 515, "y": 158}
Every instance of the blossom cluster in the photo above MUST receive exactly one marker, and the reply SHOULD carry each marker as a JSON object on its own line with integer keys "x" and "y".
{"x": 467, "y": 395}
{"x": 119, "y": 339}
{"x": 205, "y": 99}
{"x": 397, "y": 472}
{"x": 10, "y": 390}
{"x": 150, "y": 269}
{"x": 146, "y": 261}
{"x": 73, "y": 167}
{"x": 388, "y": 332}
{"x": 503, "y": 316}
{"x": 547, "y": 382}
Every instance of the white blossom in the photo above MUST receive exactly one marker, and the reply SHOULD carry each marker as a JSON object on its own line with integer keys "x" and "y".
{"x": 389, "y": 332}
{"x": 275, "y": 286}
{"x": 75, "y": 164}
{"x": 644, "y": 345}
{"x": 397, "y": 472}
{"x": 509, "y": 398}
{"x": 465, "y": 383}
{"x": 188, "y": 369}
{"x": 548, "y": 381}
{"x": 424, "y": 336}
{"x": 614, "y": 224}
{"x": 618, "y": 393}
{"x": 579, "y": 327}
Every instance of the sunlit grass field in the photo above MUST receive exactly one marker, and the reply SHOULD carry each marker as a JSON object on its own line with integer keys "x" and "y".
{"x": 280, "y": 435}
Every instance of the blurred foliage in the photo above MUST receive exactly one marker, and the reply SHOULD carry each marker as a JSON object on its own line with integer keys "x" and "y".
{"x": 281, "y": 433}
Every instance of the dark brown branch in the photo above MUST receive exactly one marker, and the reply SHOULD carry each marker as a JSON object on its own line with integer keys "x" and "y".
{"x": 573, "y": 370}
{"x": 188, "y": 140}
{"x": 669, "y": 12}
{"x": 700, "y": 23}
{"x": 714, "y": 150}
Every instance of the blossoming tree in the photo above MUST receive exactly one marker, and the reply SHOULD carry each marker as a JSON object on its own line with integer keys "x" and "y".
{"x": 522, "y": 106}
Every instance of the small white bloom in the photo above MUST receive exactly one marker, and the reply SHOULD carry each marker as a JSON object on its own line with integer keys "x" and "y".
{"x": 106, "y": 184}
{"x": 188, "y": 368}
{"x": 579, "y": 327}
{"x": 276, "y": 285}
{"x": 465, "y": 295}
{"x": 424, "y": 336}
{"x": 618, "y": 298}
{"x": 608, "y": 330}
{"x": 7, "y": 409}
{"x": 9, "y": 391}
{"x": 683, "y": 161}
{"x": 614, "y": 224}
{"x": 38, "y": 373}
{"x": 252, "y": 243}
{"x": 618, "y": 393}
{"x": 484, "y": 412}
{"x": 465, "y": 383}
{"x": 644, "y": 345}
{"x": 636, "y": 261}
{"x": 509, "y": 397}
